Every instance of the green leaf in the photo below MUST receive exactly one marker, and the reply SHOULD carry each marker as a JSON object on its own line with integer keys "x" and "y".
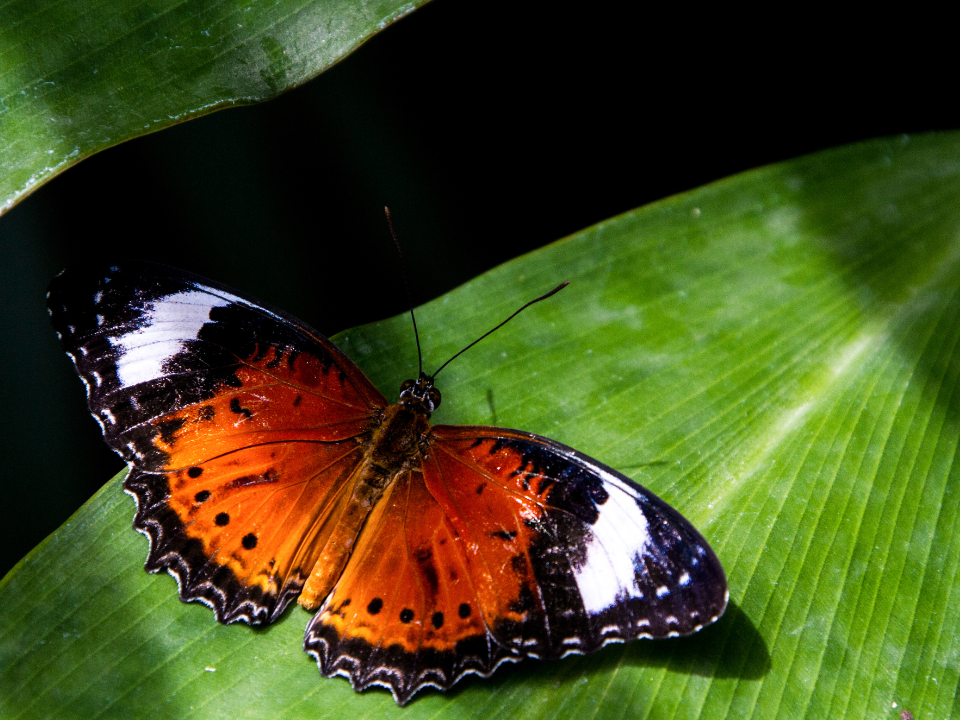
{"x": 774, "y": 354}
{"x": 79, "y": 77}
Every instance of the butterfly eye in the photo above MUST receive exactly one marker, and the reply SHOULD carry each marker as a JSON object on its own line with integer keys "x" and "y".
{"x": 434, "y": 398}
{"x": 407, "y": 384}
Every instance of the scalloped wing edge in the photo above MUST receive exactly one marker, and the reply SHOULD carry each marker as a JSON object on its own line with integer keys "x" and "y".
{"x": 192, "y": 586}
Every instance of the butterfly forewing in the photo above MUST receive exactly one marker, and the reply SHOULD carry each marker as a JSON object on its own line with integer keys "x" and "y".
{"x": 240, "y": 425}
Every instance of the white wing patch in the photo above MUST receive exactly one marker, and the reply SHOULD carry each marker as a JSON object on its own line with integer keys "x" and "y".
{"x": 167, "y": 323}
{"x": 619, "y": 536}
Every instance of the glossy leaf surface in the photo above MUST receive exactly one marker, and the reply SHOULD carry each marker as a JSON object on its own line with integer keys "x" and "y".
{"x": 774, "y": 354}
{"x": 79, "y": 77}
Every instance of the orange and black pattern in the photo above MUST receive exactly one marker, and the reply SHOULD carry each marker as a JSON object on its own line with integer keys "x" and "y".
{"x": 265, "y": 466}
{"x": 240, "y": 442}
{"x": 471, "y": 563}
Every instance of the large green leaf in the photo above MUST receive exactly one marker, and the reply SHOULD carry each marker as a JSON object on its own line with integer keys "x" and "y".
{"x": 774, "y": 354}
{"x": 77, "y": 77}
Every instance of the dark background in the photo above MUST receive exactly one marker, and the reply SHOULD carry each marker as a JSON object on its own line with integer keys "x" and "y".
{"x": 489, "y": 131}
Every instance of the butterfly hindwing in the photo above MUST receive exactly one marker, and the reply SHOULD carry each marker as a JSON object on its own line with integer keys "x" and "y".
{"x": 244, "y": 535}
{"x": 509, "y": 545}
{"x": 609, "y": 560}
{"x": 231, "y": 414}
{"x": 405, "y": 611}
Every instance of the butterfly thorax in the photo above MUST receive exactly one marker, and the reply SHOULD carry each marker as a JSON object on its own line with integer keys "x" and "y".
{"x": 396, "y": 443}
{"x": 393, "y": 450}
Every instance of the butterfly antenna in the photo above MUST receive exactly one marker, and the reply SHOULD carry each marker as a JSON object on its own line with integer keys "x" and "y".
{"x": 557, "y": 289}
{"x": 406, "y": 287}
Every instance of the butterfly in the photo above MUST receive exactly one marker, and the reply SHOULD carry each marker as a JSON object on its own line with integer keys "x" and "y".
{"x": 266, "y": 467}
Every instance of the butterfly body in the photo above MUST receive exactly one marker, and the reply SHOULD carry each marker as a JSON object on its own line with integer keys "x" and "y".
{"x": 393, "y": 448}
{"x": 265, "y": 467}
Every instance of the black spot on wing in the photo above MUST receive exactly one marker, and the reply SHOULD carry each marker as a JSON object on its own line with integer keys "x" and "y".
{"x": 235, "y": 407}
{"x": 428, "y": 571}
{"x": 525, "y": 603}
{"x": 519, "y": 565}
{"x": 231, "y": 380}
{"x": 168, "y": 430}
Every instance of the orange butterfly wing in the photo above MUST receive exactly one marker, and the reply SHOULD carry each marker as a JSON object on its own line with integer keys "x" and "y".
{"x": 264, "y": 463}
{"x": 240, "y": 425}
{"x": 509, "y": 545}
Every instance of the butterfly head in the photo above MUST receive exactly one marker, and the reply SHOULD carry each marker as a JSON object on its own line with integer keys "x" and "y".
{"x": 421, "y": 393}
